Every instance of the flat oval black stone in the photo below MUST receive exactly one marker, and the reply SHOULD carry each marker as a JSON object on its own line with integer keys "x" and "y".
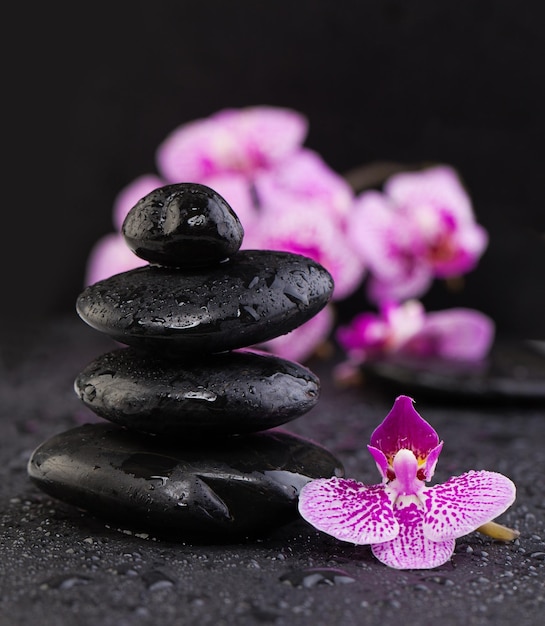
{"x": 235, "y": 392}
{"x": 152, "y": 483}
{"x": 183, "y": 225}
{"x": 257, "y": 295}
{"x": 513, "y": 371}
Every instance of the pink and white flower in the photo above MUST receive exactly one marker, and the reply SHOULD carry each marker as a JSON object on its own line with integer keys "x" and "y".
{"x": 457, "y": 334}
{"x": 245, "y": 140}
{"x": 409, "y": 525}
{"x": 421, "y": 227}
{"x": 286, "y": 197}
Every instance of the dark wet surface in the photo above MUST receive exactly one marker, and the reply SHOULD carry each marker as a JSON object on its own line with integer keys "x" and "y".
{"x": 61, "y": 566}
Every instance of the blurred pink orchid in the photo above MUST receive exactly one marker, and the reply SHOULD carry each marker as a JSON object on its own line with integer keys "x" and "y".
{"x": 457, "y": 334}
{"x": 286, "y": 197}
{"x": 245, "y": 140}
{"x": 408, "y": 524}
{"x": 421, "y": 227}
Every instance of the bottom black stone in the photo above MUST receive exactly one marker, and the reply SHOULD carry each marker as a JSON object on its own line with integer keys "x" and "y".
{"x": 245, "y": 488}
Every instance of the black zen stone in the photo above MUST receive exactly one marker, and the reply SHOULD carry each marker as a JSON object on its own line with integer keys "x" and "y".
{"x": 183, "y": 225}
{"x": 151, "y": 483}
{"x": 234, "y": 392}
{"x": 514, "y": 370}
{"x": 257, "y": 295}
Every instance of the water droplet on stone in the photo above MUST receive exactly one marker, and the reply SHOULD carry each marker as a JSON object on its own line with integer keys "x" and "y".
{"x": 200, "y": 394}
{"x": 439, "y": 580}
{"x": 295, "y": 296}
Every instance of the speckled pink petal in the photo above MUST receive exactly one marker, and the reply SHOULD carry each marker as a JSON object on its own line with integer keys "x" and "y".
{"x": 410, "y": 549}
{"x": 349, "y": 510}
{"x": 438, "y": 186}
{"x": 464, "y": 503}
{"x": 403, "y": 427}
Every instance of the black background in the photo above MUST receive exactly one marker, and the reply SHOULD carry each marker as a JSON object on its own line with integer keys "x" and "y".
{"x": 91, "y": 90}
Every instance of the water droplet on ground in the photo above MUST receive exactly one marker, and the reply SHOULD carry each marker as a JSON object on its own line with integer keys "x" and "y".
{"x": 65, "y": 582}
{"x": 156, "y": 580}
{"x": 311, "y": 577}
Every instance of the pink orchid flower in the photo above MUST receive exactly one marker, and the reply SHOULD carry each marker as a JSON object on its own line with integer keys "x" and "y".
{"x": 301, "y": 343}
{"x": 285, "y": 195}
{"x": 421, "y": 227}
{"x": 243, "y": 140}
{"x": 409, "y": 525}
{"x": 456, "y": 334}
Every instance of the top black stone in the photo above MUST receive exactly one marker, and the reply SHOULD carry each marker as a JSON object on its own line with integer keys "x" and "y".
{"x": 183, "y": 225}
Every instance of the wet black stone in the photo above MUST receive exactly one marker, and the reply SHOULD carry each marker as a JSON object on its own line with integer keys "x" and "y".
{"x": 183, "y": 225}
{"x": 234, "y": 392}
{"x": 153, "y": 483}
{"x": 257, "y": 295}
{"x": 514, "y": 370}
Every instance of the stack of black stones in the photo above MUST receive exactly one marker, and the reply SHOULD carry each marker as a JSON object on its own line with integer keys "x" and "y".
{"x": 190, "y": 444}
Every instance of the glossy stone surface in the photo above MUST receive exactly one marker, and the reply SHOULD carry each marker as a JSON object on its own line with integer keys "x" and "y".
{"x": 234, "y": 392}
{"x": 183, "y": 225}
{"x": 151, "y": 483}
{"x": 513, "y": 371}
{"x": 257, "y": 295}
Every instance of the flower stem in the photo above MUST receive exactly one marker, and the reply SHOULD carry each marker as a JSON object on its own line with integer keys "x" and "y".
{"x": 497, "y": 531}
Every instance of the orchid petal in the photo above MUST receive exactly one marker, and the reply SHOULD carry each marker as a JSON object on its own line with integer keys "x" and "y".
{"x": 110, "y": 255}
{"x": 403, "y": 427}
{"x": 458, "y": 334}
{"x": 373, "y": 224}
{"x": 311, "y": 230}
{"x": 410, "y": 549}
{"x": 415, "y": 282}
{"x": 391, "y": 247}
{"x": 467, "y": 245}
{"x": 232, "y": 140}
{"x": 380, "y": 460}
{"x": 439, "y": 186}
{"x": 349, "y": 510}
{"x": 236, "y": 190}
{"x": 265, "y": 134}
{"x": 431, "y": 461}
{"x": 309, "y": 180}
{"x": 131, "y": 194}
{"x": 464, "y": 503}
{"x": 300, "y": 343}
